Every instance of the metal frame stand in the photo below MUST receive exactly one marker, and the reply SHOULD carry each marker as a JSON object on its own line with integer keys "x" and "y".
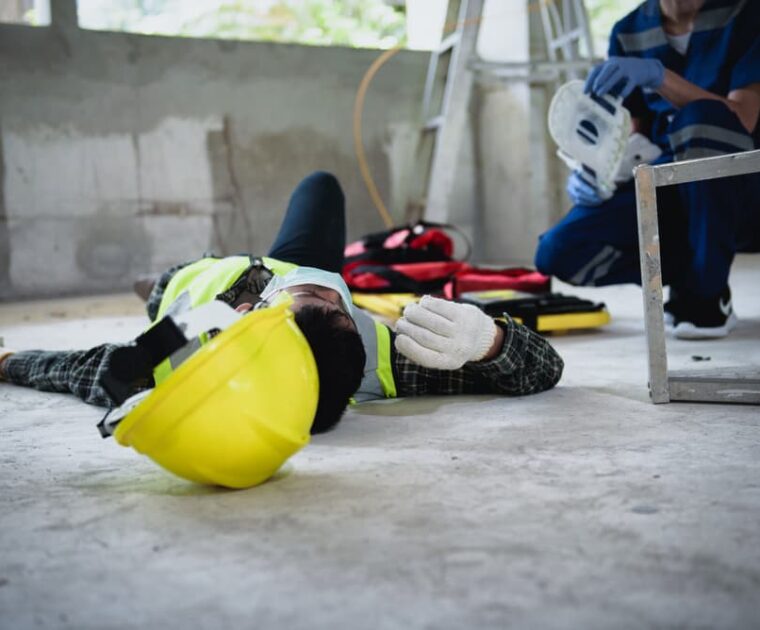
{"x": 728, "y": 386}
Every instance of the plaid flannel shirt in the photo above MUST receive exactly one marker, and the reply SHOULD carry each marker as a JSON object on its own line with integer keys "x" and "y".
{"x": 527, "y": 364}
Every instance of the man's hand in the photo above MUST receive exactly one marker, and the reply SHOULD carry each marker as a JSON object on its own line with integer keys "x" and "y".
{"x": 582, "y": 193}
{"x": 621, "y": 75}
{"x": 445, "y": 335}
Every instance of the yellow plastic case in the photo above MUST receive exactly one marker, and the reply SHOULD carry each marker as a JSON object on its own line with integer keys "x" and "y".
{"x": 391, "y": 306}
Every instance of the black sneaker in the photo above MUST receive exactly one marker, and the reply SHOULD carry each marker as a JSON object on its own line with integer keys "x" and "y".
{"x": 700, "y": 318}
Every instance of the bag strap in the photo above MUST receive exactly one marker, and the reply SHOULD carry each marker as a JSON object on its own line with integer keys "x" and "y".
{"x": 376, "y": 239}
{"x": 453, "y": 228}
{"x": 399, "y": 282}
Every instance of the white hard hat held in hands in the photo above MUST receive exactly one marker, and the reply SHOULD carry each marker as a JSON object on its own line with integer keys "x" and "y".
{"x": 444, "y": 335}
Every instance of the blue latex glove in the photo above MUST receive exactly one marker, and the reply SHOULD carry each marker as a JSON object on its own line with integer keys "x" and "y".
{"x": 621, "y": 75}
{"x": 581, "y": 192}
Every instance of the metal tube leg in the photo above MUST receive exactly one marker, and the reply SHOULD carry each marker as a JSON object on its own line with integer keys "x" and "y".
{"x": 651, "y": 283}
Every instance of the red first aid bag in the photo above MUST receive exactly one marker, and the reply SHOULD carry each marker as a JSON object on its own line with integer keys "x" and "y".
{"x": 414, "y": 258}
{"x": 419, "y": 259}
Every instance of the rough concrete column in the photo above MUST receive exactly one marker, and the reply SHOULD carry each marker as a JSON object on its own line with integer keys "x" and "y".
{"x": 63, "y": 15}
{"x": 518, "y": 169}
{"x": 503, "y": 139}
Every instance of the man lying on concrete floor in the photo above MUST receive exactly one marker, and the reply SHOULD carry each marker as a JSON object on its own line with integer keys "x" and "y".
{"x": 438, "y": 347}
{"x": 690, "y": 73}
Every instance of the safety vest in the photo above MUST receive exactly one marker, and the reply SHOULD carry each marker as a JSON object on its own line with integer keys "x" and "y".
{"x": 203, "y": 280}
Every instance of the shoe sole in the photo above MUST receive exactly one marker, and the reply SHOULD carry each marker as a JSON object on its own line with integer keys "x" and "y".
{"x": 687, "y": 330}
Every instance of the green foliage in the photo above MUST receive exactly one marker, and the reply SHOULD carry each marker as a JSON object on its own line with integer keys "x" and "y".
{"x": 356, "y": 23}
{"x": 603, "y": 15}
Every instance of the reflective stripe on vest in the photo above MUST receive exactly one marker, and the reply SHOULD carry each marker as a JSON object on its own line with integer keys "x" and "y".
{"x": 378, "y": 379}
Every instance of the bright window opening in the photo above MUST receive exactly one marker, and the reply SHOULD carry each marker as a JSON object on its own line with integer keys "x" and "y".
{"x": 353, "y": 23}
{"x": 28, "y": 12}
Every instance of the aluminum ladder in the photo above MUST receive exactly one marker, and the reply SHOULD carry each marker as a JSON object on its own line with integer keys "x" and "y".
{"x": 446, "y": 99}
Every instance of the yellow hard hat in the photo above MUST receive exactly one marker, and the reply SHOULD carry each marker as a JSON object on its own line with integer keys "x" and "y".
{"x": 237, "y": 409}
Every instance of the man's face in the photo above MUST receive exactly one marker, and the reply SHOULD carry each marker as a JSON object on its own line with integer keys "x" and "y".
{"x": 316, "y": 295}
{"x": 311, "y": 295}
{"x": 321, "y": 297}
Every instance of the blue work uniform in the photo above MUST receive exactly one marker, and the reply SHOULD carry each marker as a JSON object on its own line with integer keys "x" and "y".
{"x": 702, "y": 224}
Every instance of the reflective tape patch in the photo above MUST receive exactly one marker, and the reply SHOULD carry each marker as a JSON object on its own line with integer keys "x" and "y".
{"x": 596, "y": 268}
{"x": 370, "y": 388}
{"x": 643, "y": 40}
{"x": 184, "y": 353}
{"x": 694, "y": 153}
{"x": 384, "y": 369}
{"x": 692, "y": 133}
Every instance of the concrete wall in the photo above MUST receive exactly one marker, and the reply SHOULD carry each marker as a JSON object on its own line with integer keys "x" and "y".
{"x": 122, "y": 154}
{"x": 519, "y": 178}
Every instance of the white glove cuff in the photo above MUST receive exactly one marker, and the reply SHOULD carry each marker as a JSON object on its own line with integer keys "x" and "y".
{"x": 485, "y": 339}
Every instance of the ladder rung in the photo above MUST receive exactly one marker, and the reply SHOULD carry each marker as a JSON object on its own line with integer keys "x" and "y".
{"x": 567, "y": 38}
{"x": 434, "y": 123}
{"x": 449, "y": 42}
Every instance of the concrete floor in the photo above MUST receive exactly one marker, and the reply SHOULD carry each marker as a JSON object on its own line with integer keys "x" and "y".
{"x": 584, "y": 507}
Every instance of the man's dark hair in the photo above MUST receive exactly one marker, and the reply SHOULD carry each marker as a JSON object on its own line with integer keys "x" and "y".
{"x": 339, "y": 354}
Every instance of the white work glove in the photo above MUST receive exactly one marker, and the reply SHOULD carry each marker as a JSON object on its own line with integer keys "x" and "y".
{"x": 444, "y": 335}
